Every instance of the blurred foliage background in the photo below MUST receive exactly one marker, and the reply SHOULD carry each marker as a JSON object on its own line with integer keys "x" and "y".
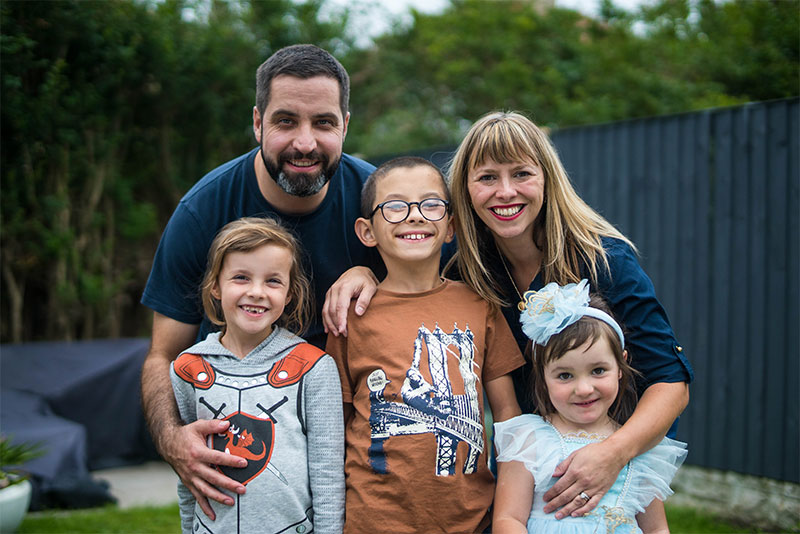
{"x": 112, "y": 110}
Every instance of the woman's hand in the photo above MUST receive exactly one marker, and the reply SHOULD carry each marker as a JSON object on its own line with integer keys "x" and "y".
{"x": 356, "y": 282}
{"x": 591, "y": 470}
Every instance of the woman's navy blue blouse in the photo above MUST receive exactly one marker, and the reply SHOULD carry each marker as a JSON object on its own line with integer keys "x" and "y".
{"x": 650, "y": 341}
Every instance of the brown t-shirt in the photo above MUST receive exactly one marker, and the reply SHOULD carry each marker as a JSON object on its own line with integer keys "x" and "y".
{"x": 416, "y": 451}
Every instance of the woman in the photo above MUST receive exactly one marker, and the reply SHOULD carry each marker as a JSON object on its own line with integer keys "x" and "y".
{"x": 520, "y": 225}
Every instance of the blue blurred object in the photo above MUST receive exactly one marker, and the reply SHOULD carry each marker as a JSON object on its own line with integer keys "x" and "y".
{"x": 81, "y": 401}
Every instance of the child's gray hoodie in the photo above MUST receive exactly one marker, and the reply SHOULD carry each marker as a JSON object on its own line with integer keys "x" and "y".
{"x": 285, "y": 412}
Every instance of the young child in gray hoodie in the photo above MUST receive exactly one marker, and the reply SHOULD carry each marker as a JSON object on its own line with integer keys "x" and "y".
{"x": 281, "y": 396}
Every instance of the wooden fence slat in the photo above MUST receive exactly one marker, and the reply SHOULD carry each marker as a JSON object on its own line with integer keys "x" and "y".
{"x": 652, "y": 191}
{"x": 777, "y": 243}
{"x": 580, "y": 165}
{"x": 683, "y": 316}
{"x": 699, "y": 345}
{"x": 595, "y": 174}
{"x": 622, "y": 204}
{"x": 791, "y": 460}
{"x": 608, "y": 148}
{"x": 638, "y": 178}
{"x": 754, "y": 291}
{"x": 738, "y": 311}
{"x": 721, "y": 283}
{"x": 669, "y": 288}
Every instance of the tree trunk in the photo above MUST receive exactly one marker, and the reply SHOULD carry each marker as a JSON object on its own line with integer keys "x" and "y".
{"x": 60, "y": 311}
{"x": 15, "y": 292}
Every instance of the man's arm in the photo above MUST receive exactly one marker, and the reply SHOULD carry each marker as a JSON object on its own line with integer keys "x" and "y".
{"x": 182, "y": 446}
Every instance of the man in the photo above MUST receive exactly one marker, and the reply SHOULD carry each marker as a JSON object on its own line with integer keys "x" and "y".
{"x": 297, "y": 174}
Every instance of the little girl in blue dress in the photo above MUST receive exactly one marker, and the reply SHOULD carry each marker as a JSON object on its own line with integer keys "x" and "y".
{"x": 583, "y": 388}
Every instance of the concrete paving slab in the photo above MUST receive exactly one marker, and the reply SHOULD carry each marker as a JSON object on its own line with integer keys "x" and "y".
{"x": 147, "y": 484}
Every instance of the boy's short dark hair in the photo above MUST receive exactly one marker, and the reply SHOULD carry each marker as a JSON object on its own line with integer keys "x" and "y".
{"x": 301, "y": 61}
{"x": 406, "y": 162}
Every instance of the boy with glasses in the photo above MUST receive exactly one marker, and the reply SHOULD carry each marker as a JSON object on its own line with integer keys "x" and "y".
{"x": 414, "y": 368}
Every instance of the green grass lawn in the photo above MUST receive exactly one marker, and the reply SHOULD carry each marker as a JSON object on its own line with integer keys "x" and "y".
{"x": 158, "y": 520}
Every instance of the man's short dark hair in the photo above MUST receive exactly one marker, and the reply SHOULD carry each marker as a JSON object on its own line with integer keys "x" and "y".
{"x": 406, "y": 162}
{"x": 302, "y": 61}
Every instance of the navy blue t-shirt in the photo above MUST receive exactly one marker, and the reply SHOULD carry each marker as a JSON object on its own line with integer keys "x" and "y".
{"x": 630, "y": 294}
{"x": 230, "y": 192}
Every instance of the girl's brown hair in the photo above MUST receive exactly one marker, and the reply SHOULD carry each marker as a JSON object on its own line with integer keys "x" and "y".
{"x": 245, "y": 235}
{"x": 574, "y": 336}
{"x": 567, "y": 230}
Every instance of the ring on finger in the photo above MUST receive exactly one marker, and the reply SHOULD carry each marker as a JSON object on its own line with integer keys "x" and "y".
{"x": 583, "y": 496}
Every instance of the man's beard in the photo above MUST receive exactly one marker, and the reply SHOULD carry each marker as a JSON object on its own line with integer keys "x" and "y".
{"x": 300, "y": 184}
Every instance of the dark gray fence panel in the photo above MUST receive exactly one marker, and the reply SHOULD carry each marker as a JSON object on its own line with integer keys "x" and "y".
{"x": 777, "y": 283}
{"x": 755, "y": 291}
{"x": 739, "y": 316}
{"x": 721, "y": 255}
{"x": 712, "y": 204}
{"x": 712, "y": 201}
{"x": 697, "y": 340}
{"x": 792, "y": 458}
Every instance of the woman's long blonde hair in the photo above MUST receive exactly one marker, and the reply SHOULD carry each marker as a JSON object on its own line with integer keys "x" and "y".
{"x": 566, "y": 230}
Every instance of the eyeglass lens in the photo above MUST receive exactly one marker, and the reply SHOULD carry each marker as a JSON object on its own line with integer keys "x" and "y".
{"x": 397, "y": 211}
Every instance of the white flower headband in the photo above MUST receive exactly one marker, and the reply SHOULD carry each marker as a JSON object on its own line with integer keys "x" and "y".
{"x": 553, "y": 308}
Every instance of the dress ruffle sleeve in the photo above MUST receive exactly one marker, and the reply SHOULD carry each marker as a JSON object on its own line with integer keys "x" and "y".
{"x": 654, "y": 470}
{"x": 531, "y": 440}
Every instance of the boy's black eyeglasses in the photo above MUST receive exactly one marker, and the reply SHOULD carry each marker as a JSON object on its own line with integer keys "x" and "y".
{"x": 397, "y": 211}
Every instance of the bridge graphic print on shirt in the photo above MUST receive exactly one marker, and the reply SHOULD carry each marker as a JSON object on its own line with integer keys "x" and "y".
{"x": 431, "y": 407}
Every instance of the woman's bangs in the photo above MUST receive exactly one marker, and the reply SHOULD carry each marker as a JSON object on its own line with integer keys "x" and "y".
{"x": 502, "y": 143}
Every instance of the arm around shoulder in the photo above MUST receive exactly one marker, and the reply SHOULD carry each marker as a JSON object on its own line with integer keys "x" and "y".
{"x": 169, "y": 338}
{"x": 658, "y": 408}
{"x": 182, "y": 446}
{"x": 356, "y": 282}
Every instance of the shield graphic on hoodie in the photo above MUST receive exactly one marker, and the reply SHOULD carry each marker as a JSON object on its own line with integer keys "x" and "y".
{"x": 250, "y": 438}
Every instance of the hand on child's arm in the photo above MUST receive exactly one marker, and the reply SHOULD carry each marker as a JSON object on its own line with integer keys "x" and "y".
{"x": 513, "y": 498}
{"x": 591, "y": 470}
{"x": 191, "y": 458}
{"x": 654, "y": 519}
{"x": 356, "y": 282}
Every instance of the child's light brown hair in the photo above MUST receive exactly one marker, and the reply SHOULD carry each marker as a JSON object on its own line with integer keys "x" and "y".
{"x": 575, "y": 335}
{"x": 245, "y": 235}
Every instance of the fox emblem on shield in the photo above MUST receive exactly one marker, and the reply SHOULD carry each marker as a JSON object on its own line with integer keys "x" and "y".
{"x": 250, "y": 438}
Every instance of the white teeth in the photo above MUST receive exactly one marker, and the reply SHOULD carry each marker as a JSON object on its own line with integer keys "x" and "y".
{"x": 414, "y": 237}
{"x": 302, "y": 163}
{"x": 253, "y": 309}
{"x": 507, "y": 212}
